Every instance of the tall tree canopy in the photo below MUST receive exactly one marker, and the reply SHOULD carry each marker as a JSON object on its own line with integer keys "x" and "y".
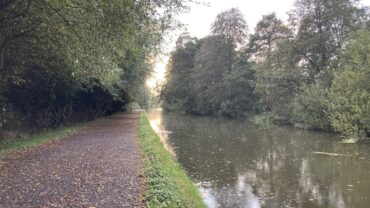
{"x": 322, "y": 30}
{"x": 310, "y": 71}
{"x": 268, "y": 32}
{"x": 63, "y": 58}
{"x": 231, "y": 27}
{"x": 178, "y": 93}
{"x": 216, "y": 78}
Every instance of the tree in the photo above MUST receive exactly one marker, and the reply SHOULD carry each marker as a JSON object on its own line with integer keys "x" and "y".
{"x": 231, "y": 27}
{"x": 268, "y": 32}
{"x": 299, "y": 62}
{"x": 209, "y": 70}
{"x": 322, "y": 31}
{"x": 92, "y": 56}
{"x": 311, "y": 72}
{"x": 310, "y": 108}
{"x": 209, "y": 76}
{"x": 178, "y": 94}
{"x": 277, "y": 75}
{"x": 349, "y": 105}
{"x": 239, "y": 99}
{"x": 322, "y": 28}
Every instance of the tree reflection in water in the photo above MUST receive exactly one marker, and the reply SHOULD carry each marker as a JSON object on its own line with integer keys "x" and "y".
{"x": 238, "y": 164}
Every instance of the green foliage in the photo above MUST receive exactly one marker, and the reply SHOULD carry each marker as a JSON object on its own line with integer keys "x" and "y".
{"x": 268, "y": 32}
{"x": 167, "y": 184}
{"x": 239, "y": 98}
{"x": 344, "y": 106}
{"x": 209, "y": 76}
{"x": 295, "y": 68}
{"x": 178, "y": 94}
{"x": 277, "y": 77}
{"x": 277, "y": 89}
{"x": 64, "y": 59}
{"x": 323, "y": 28}
{"x": 310, "y": 72}
{"x": 209, "y": 70}
{"x": 231, "y": 26}
{"x": 262, "y": 120}
{"x": 350, "y": 92}
{"x": 310, "y": 108}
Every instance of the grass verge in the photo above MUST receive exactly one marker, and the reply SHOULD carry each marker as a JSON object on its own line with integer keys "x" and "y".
{"x": 10, "y": 145}
{"x": 167, "y": 184}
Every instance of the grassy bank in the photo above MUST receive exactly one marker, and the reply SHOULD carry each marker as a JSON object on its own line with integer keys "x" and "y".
{"x": 10, "y": 145}
{"x": 167, "y": 184}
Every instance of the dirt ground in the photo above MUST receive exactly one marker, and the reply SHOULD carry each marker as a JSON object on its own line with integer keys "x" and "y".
{"x": 97, "y": 167}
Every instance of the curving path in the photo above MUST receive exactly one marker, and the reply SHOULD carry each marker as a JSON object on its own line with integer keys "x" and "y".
{"x": 96, "y": 167}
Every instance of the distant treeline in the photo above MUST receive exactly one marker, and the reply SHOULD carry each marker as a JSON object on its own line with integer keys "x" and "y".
{"x": 76, "y": 59}
{"x": 313, "y": 71}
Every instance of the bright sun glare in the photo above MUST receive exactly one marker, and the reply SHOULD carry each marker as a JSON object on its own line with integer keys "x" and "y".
{"x": 158, "y": 76}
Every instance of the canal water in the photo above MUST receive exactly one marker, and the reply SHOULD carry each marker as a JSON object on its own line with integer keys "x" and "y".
{"x": 238, "y": 164}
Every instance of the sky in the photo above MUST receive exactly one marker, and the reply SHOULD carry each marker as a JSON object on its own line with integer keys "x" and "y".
{"x": 200, "y": 17}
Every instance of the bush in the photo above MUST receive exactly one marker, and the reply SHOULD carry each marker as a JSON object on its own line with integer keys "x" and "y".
{"x": 350, "y": 103}
{"x": 310, "y": 109}
{"x": 350, "y": 92}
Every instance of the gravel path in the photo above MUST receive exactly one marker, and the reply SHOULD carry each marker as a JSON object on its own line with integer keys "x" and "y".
{"x": 97, "y": 167}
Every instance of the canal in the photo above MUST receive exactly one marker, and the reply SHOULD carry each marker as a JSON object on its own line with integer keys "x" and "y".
{"x": 239, "y": 164}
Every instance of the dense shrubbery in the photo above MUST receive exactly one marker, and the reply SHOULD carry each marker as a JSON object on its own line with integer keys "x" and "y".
{"x": 310, "y": 108}
{"x": 63, "y": 60}
{"x": 349, "y": 104}
{"x": 312, "y": 72}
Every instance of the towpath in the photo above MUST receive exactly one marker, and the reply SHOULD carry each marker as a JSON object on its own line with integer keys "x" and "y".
{"x": 97, "y": 167}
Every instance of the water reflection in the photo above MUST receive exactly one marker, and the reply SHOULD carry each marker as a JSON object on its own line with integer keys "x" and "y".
{"x": 158, "y": 127}
{"x": 236, "y": 164}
